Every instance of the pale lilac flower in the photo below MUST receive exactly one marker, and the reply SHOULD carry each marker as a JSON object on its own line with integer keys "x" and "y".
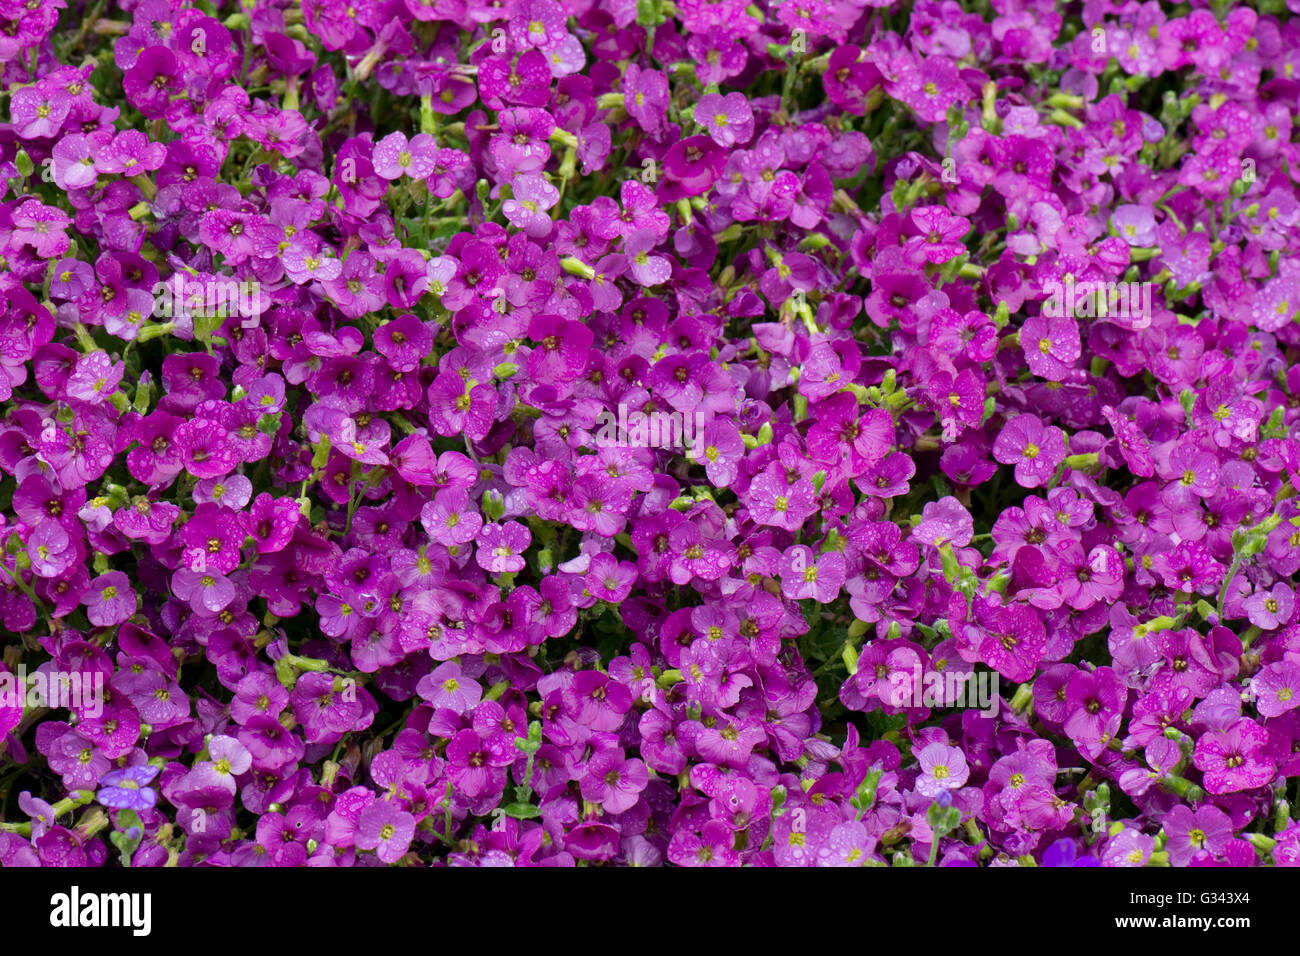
{"x": 942, "y": 768}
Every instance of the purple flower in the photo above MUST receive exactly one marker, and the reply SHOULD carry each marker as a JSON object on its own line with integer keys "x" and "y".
{"x": 645, "y": 97}
{"x": 207, "y": 592}
{"x": 1064, "y": 852}
{"x": 774, "y": 501}
{"x": 1033, "y": 448}
{"x": 1189, "y": 832}
{"x": 646, "y": 269}
{"x": 41, "y": 227}
{"x": 1136, "y": 225}
{"x": 613, "y": 781}
{"x": 531, "y": 197}
{"x": 203, "y": 448}
{"x": 51, "y": 549}
{"x": 386, "y": 829}
{"x": 128, "y": 789}
{"x": 610, "y": 579}
{"x": 561, "y": 352}
{"x": 447, "y": 687}
{"x": 1095, "y": 702}
{"x": 1235, "y": 758}
{"x": 692, "y": 166}
{"x": 1269, "y": 609}
{"x": 1130, "y": 847}
{"x": 848, "y": 844}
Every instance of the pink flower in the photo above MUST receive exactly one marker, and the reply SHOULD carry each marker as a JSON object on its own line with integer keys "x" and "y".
{"x": 942, "y": 768}
{"x": 729, "y": 119}
{"x": 804, "y": 575}
{"x": 447, "y": 687}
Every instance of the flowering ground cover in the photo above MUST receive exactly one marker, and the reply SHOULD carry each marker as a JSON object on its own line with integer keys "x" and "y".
{"x": 640, "y": 432}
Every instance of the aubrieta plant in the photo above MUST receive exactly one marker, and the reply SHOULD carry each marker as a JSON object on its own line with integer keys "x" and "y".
{"x": 649, "y": 432}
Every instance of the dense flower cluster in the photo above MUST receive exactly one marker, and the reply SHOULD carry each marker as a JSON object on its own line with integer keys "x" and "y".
{"x": 545, "y": 432}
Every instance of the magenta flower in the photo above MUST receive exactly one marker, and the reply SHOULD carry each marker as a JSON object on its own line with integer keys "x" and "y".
{"x": 692, "y": 166}
{"x": 593, "y": 700}
{"x": 448, "y": 518}
{"x": 501, "y": 547}
{"x": 1128, "y": 848}
{"x": 41, "y": 227}
{"x": 940, "y": 233}
{"x": 610, "y": 579}
{"x": 561, "y": 353}
{"x": 945, "y": 521}
{"x": 1051, "y": 345}
{"x": 773, "y": 500}
{"x": 475, "y": 769}
{"x": 531, "y": 197}
{"x": 131, "y": 154}
{"x": 38, "y": 111}
{"x": 1136, "y": 225}
{"x": 645, "y": 97}
{"x": 1235, "y": 758}
{"x": 460, "y": 407}
{"x": 203, "y": 448}
{"x": 73, "y": 162}
{"x": 1094, "y": 701}
{"x": 1269, "y": 609}
{"x": 1034, "y": 449}
{"x": 271, "y": 522}
{"x": 613, "y": 781}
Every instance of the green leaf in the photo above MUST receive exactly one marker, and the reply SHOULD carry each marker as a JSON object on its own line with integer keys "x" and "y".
{"x": 811, "y": 613}
{"x": 322, "y": 455}
{"x": 523, "y": 811}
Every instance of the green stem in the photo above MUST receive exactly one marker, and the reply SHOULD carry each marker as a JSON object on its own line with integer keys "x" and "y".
{"x": 1223, "y": 591}
{"x": 355, "y": 502}
{"x": 66, "y": 805}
